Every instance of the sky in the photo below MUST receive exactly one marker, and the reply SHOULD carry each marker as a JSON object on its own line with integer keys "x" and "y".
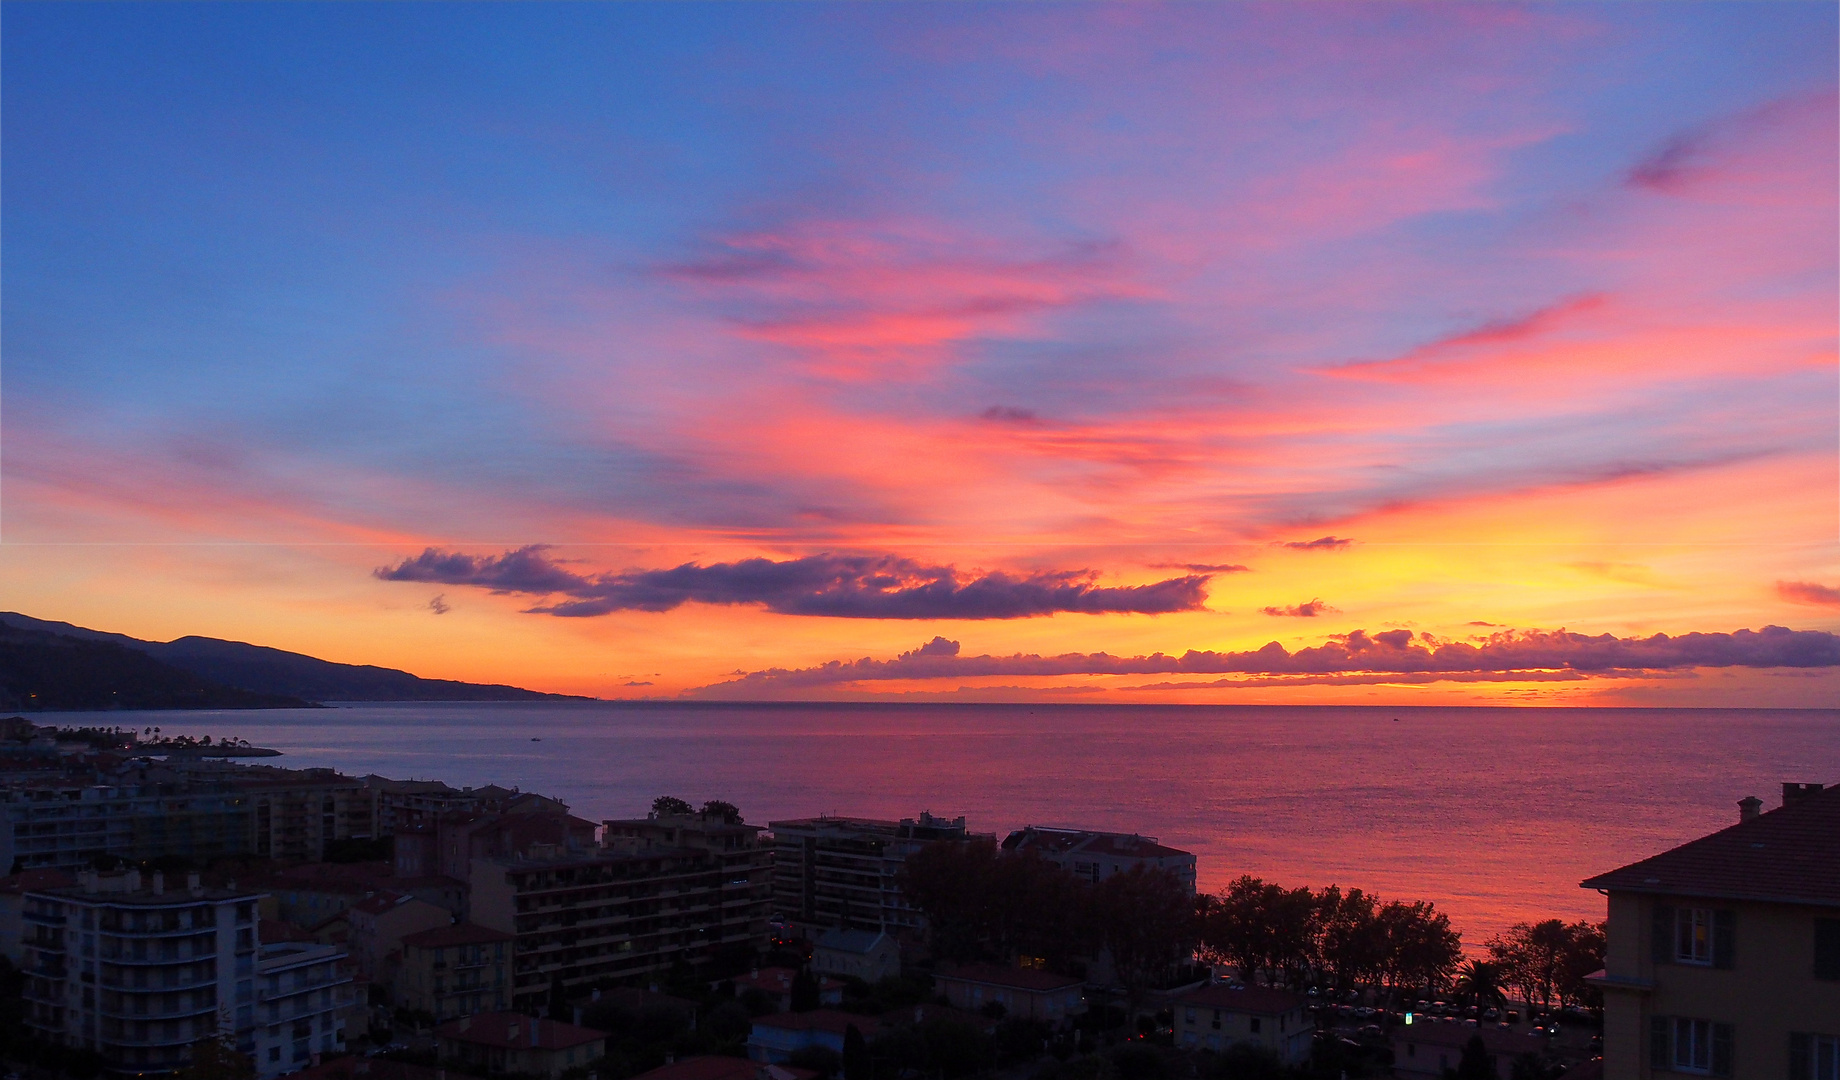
{"x": 1240, "y": 353}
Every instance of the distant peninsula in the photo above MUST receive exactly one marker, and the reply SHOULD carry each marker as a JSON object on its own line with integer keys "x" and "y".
{"x": 55, "y": 666}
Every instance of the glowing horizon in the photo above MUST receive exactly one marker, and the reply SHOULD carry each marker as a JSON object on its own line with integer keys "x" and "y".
{"x": 634, "y": 351}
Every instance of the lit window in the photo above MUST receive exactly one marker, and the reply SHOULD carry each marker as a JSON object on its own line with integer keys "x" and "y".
{"x": 1693, "y": 935}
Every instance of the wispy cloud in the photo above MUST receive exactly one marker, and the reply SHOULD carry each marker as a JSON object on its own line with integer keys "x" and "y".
{"x": 1391, "y": 652}
{"x": 1309, "y": 609}
{"x": 838, "y": 586}
{"x": 1321, "y": 543}
{"x": 1203, "y": 568}
{"x": 1808, "y": 592}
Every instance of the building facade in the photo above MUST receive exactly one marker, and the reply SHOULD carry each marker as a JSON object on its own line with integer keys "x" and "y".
{"x": 1094, "y": 856}
{"x": 70, "y": 823}
{"x": 454, "y": 971}
{"x": 138, "y": 972}
{"x": 584, "y": 918}
{"x": 1723, "y": 954}
{"x": 303, "y": 994}
{"x": 492, "y": 1044}
{"x": 1218, "y": 1017}
{"x": 845, "y": 872}
{"x": 1028, "y": 993}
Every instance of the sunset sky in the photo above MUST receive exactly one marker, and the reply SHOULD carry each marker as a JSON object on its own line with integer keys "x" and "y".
{"x": 1058, "y": 352}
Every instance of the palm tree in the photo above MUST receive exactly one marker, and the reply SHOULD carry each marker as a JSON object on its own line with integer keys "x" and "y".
{"x": 1479, "y": 983}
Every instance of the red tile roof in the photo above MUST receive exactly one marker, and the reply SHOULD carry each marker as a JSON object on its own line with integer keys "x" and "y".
{"x": 1263, "y": 1000}
{"x": 381, "y": 903}
{"x": 1014, "y": 978}
{"x": 509, "y": 1030}
{"x": 778, "y": 980}
{"x": 1790, "y": 855}
{"x": 457, "y": 934}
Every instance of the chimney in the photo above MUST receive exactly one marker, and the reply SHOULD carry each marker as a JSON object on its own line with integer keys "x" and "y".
{"x": 159, "y": 883}
{"x": 1794, "y": 793}
{"x": 1749, "y": 807}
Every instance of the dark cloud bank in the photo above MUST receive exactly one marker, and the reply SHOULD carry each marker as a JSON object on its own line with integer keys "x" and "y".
{"x": 840, "y": 586}
{"x": 1510, "y": 655}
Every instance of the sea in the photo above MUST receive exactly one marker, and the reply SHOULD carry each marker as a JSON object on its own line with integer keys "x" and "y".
{"x": 1493, "y": 814}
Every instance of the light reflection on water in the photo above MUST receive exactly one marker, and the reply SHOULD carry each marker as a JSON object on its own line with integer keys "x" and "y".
{"x": 1494, "y": 814}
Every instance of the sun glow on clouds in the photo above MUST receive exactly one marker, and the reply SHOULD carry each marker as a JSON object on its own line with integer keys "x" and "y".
{"x": 1411, "y": 320}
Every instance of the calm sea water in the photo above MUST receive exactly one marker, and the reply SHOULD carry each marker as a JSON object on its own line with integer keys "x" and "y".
{"x": 1495, "y": 814}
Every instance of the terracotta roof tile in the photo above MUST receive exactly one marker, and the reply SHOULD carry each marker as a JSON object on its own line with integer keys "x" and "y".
{"x": 511, "y": 1030}
{"x": 457, "y": 934}
{"x": 1263, "y": 1000}
{"x": 1789, "y": 855}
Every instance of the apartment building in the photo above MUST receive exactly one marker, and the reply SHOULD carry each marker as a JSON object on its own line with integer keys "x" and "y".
{"x": 735, "y": 847}
{"x": 69, "y": 821}
{"x": 303, "y": 993}
{"x": 400, "y": 805}
{"x": 845, "y": 872}
{"x": 138, "y": 972}
{"x": 454, "y": 971}
{"x": 1094, "y": 856}
{"x": 377, "y": 925}
{"x": 1723, "y": 956}
{"x": 297, "y": 814}
{"x": 585, "y": 917}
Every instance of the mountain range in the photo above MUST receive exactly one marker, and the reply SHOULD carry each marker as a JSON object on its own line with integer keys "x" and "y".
{"x": 47, "y": 665}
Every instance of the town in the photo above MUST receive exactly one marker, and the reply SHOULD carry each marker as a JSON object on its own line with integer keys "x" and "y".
{"x": 169, "y": 911}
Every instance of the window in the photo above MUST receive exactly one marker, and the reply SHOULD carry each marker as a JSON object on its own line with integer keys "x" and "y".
{"x": 1216, "y": 1024}
{"x": 1691, "y": 1045}
{"x": 274, "y": 1053}
{"x": 1188, "y": 1016}
{"x": 1693, "y": 935}
{"x": 1814, "y": 1057}
{"x": 1827, "y": 949}
{"x": 1255, "y": 1025}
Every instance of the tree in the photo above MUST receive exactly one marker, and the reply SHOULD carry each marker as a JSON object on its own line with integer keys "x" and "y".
{"x": 1539, "y": 959}
{"x": 1584, "y": 955}
{"x": 1479, "y": 982}
{"x": 727, "y": 811}
{"x": 984, "y": 905}
{"x": 217, "y": 1059}
{"x": 805, "y": 992}
{"x": 1476, "y": 1064}
{"x": 856, "y": 1061}
{"x": 1146, "y": 919}
{"x": 1261, "y": 928}
{"x": 671, "y": 806}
